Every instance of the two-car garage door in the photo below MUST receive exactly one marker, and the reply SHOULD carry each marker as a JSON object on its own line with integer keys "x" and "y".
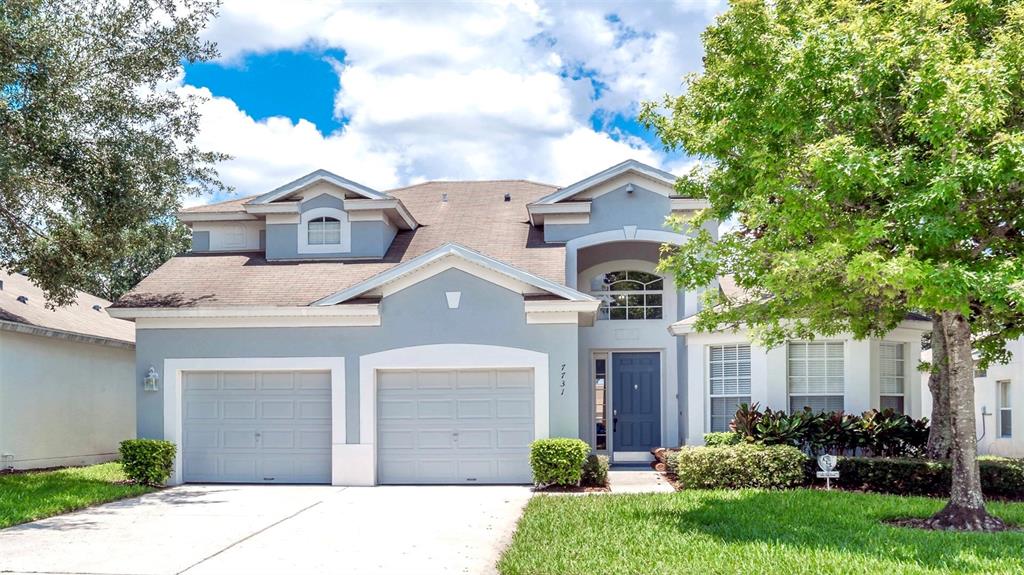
{"x": 256, "y": 427}
{"x": 454, "y": 426}
{"x": 433, "y": 426}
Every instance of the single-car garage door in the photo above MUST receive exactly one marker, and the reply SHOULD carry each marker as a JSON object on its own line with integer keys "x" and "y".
{"x": 256, "y": 426}
{"x": 455, "y": 426}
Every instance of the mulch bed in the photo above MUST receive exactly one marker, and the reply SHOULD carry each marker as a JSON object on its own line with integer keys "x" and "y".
{"x": 571, "y": 489}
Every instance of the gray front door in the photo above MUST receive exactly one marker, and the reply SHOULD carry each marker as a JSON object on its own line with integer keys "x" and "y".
{"x": 454, "y": 426}
{"x": 256, "y": 427}
{"x": 636, "y": 401}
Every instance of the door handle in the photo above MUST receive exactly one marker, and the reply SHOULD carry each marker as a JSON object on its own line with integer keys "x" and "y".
{"x": 615, "y": 424}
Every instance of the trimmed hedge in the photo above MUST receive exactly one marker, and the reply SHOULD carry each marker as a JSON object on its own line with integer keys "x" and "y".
{"x": 720, "y": 438}
{"x": 595, "y": 471}
{"x": 1000, "y": 477}
{"x": 558, "y": 461}
{"x": 739, "y": 466}
{"x": 147, "y": 461}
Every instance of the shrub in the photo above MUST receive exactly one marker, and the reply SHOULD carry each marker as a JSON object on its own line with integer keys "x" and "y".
{"x": 720, "y": 438}
{"x": 147, "y": 461}
{"x": 738, "y": 466}
{"x": 880, "y": 433}
{"x": 999, "y": 477}
{"x": 595, "y": 471}
{"x": 558, "y": 461}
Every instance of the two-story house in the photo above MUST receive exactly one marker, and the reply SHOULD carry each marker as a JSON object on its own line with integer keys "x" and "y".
{"x": 326, "y": 332}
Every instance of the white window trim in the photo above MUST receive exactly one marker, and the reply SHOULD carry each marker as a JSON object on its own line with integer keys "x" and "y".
{"x": 707, "y": 379}
{"x": 790, "y": 395}
{"x": 1000, "y": 408}
{"x": 902, "y": 373}
{"x": 439, "y": 356}
{"x": 172, "y": 394}
{"x": 304, "y": 247}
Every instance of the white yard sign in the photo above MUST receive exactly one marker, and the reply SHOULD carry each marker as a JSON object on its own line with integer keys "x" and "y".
{"x": 827, "y": 464}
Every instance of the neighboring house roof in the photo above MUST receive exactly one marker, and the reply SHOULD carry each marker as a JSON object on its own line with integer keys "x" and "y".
{"x": 77, "y": 319}
{"x": 475, "y": 215}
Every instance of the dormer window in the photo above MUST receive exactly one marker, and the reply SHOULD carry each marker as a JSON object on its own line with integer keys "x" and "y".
{"x": 324, "y": 231}
{"x": 628, "y": 295}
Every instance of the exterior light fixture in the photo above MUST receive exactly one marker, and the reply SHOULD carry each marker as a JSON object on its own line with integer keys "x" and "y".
{"x": 151, "y": 381}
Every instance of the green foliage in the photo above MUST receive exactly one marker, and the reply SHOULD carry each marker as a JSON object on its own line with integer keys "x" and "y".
{"x": 872, "y": 155}
{"x": 95, "y": 155}
{"x": 34, "y": 495}
{"x": 721, "y": 438}
{"x": 880, "y": 433}
{"x": 738, "y": 466}
{"x": 558, "y": 460}
{"x": 595, "y": 471}
{"x": 999, "y": 477}
{"x": 148, "y": 461}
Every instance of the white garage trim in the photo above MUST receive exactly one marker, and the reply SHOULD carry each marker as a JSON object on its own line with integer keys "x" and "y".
{"x": 172, "y": 391}
{"x": 441, "y": 356}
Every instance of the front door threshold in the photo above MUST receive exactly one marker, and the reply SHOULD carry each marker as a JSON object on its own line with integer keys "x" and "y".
{"x": 632, "y": 457}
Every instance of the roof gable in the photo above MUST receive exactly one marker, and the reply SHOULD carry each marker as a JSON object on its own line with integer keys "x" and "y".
{"x": 448, "y": 256}
{"x": 627, "y": 167}
{"x": 312, "y": 179}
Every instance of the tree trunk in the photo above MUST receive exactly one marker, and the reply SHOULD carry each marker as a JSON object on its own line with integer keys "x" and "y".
{"x": 940, "y": 432}
{"x": 966, "y": 507}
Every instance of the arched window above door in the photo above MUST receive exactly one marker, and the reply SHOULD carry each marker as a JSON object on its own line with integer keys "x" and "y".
{"x": 628, "y": 295}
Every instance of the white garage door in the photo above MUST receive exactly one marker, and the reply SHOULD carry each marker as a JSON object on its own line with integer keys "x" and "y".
{"x": 256, "y": 427}
{"x": 458, "y": 426}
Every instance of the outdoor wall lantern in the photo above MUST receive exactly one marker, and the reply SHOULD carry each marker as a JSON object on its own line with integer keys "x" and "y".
{"x": 152, "y": 381}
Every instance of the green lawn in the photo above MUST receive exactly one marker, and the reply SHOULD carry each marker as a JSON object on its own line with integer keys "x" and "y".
{"x": 751, "y": 531}
{"x": 30, "y": 496}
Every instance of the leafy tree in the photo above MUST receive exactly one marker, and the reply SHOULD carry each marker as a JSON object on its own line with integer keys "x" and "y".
{"x": 149, "y": 247}
{"x": 93, "y": 152}
{"x": 873, "y": 156}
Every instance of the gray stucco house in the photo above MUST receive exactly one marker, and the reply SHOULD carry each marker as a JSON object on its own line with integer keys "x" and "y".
{"x": 326, "y": 332}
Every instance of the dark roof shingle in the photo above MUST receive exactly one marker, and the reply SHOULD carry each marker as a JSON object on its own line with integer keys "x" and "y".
{"x": 475, "y": 215}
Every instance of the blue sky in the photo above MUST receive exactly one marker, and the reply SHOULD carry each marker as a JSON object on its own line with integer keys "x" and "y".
{"x": 392, "y": 94}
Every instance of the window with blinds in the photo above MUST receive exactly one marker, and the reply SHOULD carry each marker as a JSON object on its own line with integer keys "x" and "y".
{"x": 1005, "y": 412}
{"x": 816, "y": 375}
{"x": 729, "y": 376}
{"x": 891, "y": 383}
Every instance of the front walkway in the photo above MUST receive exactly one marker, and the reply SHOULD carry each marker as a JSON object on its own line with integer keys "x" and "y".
{"x": 249, "y": 529}
{"x": 637, "y": 480}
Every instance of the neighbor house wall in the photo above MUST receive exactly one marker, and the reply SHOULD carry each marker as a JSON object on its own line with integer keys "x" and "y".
{"x": 418, "y": 315}
{"x": 63, "y": 402}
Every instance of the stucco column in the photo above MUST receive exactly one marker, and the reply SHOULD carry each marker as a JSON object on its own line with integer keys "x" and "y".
{"x": 776, "y": 394}
{"x": 858, "y": 376}
{"x": 695, "y": 396}
{"x": 758, "y": 375}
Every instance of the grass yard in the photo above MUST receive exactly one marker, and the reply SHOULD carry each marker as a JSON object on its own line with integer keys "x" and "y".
{"x": 34, "y": 495}
{"x": 751, "y": 531}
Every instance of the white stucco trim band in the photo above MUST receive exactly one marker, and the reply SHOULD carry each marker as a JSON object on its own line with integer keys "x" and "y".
{"x": 363, "y": 469}
{"x": 608, "y": 174}
{"x": 173, "y": 369}
{"x": 342, "y": 311}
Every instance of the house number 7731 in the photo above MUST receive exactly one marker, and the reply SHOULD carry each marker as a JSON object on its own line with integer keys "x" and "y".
{"x": 563, "y": 380}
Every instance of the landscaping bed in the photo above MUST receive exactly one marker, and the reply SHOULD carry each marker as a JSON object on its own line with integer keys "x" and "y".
{"x": 752, "y": 531}
{"x": 37, "y": 494}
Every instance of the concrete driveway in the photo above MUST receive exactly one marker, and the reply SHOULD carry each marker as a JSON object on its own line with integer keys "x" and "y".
{"x": 206, "y": 529}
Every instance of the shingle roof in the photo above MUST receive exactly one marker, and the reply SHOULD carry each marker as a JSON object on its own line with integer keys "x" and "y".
{"x": 226, "y": 207}
{"x": 475, "y": 216}
{"x": 77, "y": 318}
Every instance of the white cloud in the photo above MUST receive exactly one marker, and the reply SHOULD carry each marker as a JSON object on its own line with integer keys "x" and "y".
{"x": 456, "y": 90}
